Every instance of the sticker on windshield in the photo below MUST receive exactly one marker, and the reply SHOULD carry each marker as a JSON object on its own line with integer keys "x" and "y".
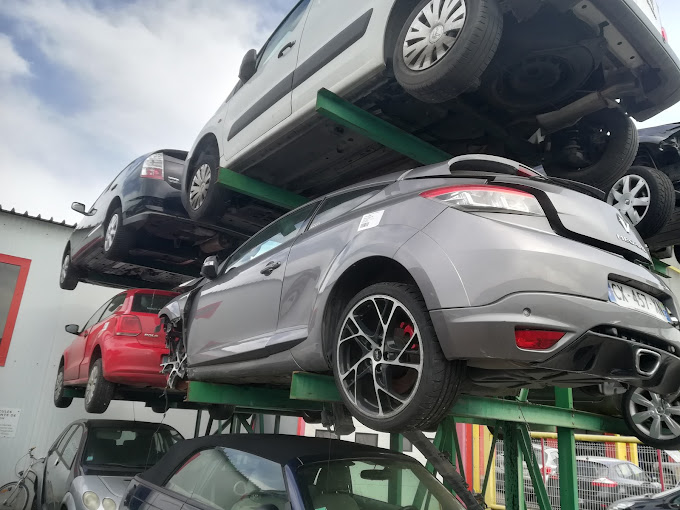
{"x": 370, "y": 220}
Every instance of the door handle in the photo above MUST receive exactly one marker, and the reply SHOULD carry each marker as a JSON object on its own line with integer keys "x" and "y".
{"x": 56, "y": 461}
{"x": 288, "y": 46}
{"x": 270, "y": 267}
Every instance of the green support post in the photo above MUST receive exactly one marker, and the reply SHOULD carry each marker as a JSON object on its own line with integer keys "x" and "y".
{"x": 235, "y": 425}
{"x": 394, "y": 484}
{"x": 370, "y": 126}
{"x": 277, "y": 423}
{"x": 490, "y": 461}
{"x": 514, "y": 472}
{"x": 537, "y": 479}
{"x": 197, "y": 428}
{"x": 566, "y": 447}
{"x": 260, "y": 190}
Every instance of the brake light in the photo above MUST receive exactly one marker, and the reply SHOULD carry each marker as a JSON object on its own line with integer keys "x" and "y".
{"x": 537, "y": 339}
{"x": 664, "y": 35}
{"x": 603, "y": 482}
{"x": 486, "y": 198}
{"x": 128, "y": 325}
{"x": 152, "y": 168}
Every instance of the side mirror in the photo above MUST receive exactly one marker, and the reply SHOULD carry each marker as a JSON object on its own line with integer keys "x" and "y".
{"x": 209, "y": 269}
{"x": 248, "y": 66}
{"x": 74, "y": 329}
{"x": 78, "y": 207}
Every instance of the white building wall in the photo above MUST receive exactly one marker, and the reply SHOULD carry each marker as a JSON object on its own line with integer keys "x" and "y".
{"x": 27, "y": 379}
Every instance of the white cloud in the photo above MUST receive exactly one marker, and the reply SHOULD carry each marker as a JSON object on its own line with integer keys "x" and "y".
{"x": 149, "y": 74}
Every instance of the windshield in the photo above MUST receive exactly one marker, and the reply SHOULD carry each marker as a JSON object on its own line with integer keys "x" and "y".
{"x": 150, "y": 302}
{"x": 384, "y": 484}
{"x": 128, "y": 446}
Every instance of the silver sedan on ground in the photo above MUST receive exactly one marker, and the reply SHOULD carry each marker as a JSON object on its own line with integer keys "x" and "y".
{"x": 478, "y": 275}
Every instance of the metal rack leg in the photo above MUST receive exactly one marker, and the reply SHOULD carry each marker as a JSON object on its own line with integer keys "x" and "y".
{"x": 566, "y": 447}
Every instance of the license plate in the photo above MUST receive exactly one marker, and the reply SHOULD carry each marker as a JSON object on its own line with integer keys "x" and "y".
{"x": 628, "y": 297}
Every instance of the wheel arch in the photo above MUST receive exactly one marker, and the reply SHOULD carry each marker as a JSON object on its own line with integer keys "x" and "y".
{"x": 398, "y": 16}
{"x": 115, "y": 203}
{"x": 68, "y": 503}
{"x": 207, "y": 141}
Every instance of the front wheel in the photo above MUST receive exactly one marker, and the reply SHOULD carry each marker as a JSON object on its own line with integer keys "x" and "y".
{"x": 68, "y": 277}
{"x": 14, "y": 496}
{"x": 653, "y": 418}
{"x": 117, "y": 238}
{"x": 203, "y": 196}
{"x": 99, "y": 391}
{"x": 388, "y": 364}
{"x": 59, "y": 399}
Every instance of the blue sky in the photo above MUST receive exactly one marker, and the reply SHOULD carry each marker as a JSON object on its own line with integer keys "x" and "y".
{"x": 86, "y": 86}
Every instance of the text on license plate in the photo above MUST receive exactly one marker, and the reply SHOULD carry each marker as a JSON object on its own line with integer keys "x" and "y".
{"x": 628, "y": 297}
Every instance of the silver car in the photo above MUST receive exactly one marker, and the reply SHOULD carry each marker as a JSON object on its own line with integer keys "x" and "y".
{"x": 477, "y": 274}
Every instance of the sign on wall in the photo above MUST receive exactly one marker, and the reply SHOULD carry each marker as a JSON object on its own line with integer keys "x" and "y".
{"x": 9, "y": 421}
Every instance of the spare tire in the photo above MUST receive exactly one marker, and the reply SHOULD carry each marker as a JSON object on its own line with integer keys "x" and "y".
{"x": 606, "y": 144}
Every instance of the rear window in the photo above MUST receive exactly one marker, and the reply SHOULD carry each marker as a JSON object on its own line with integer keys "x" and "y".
{"x": 586, "y": 469}
{"x": 128, "y": 446}
{"x": 150, "y": 303}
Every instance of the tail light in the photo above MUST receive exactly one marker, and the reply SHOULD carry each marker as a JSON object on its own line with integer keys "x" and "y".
{"x": 603, "y": 482}
{"x": 537, "y": 339}
{"x": 664, "y": 34}
{"x": 128, "y": 325}
{"x": 486, "y": 198}
{"x": 152, "y": 168}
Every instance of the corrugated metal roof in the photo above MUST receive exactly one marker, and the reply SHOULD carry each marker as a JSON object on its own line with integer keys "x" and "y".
{"x": 38, "y": 217}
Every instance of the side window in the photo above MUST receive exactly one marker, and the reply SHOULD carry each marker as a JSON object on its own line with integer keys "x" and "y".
{"x": 112, "y": 306}
{"x": 623, "y": 470}
{"x": 282, "y": 34}
{"x": 282, "y": 230}
{"x": 227, "y": 479}
{"x": 59, "y": 446}
{"x": 71, "y": 447}
{"x": 96, "y": 315}
{"x": 340, "y": 204}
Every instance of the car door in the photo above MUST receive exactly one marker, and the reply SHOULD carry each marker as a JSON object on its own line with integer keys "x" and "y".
{"x": 234, "y": 316}
{"x": 59, "y": 467}
{"x": 74, "y": 353}
{"x": 97, "y": 330}
{"x": 90, "y": 230}
{"x": 265, "y": 99}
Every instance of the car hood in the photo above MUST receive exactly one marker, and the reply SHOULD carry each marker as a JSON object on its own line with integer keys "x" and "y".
{"x": 658, "y": 134}
{"x": 104, "y": 486}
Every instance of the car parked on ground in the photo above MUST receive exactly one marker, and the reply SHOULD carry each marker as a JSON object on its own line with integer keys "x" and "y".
{"x": 91, "y": 463}
{"x": 416, "y": 285}
{"x": 549, "y": 470}
{"x": 537, "y": 80}
{"x": 247, "y": 472}
{"x": 604, "y": 480}
{"x": 137, "y": 230}
{"x": 121, "y": 344}
{"x": 669, "y": 499}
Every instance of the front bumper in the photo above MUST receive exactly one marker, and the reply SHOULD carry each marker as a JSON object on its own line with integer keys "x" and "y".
{"x": 485, "y": 337}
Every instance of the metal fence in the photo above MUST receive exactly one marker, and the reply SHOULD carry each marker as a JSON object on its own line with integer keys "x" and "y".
{"x": 606, "y": 472}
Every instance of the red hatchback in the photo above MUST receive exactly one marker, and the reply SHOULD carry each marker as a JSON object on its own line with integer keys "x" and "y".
{"x": 119, "y": 345}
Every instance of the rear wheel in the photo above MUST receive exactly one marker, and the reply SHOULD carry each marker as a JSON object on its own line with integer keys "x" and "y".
{"x": 388, "y": 365}
{"x": 99, "y": 391}
{"x": 598, "y": 150}
{"x": 59, "y": 399}
{"x": 221, "y": 412}
{"x": 646, "y": 197}
{"x": 204, "y": 198}
{"x": 68, "y": 277}
{"x": 653, "y": 418}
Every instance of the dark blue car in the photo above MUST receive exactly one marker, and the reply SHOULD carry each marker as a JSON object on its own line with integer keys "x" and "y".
{"x": 138, "y": 229}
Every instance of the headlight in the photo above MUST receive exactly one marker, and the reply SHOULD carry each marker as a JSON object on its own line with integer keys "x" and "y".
{"x": 90, "y": 500}
{"x": 108, "y": 504}
{"x": 621, "y": 505}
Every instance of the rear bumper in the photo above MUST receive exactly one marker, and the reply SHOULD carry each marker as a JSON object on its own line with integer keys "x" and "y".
{"x": 132, "y": 364}
{"x": 485, "y": 336}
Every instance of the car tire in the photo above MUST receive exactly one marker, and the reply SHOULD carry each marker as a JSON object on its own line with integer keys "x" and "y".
{"x": 99, "y": 391}
{"x": 416, "y": 387}
{"x": 615, "y": 159}
{"x": 117, "y": 238}
{"x": 60, "y": 400}
{"x": 68, "y": 276}
{"x": 459, "y": 68}
{"x": 203, "y": 196}
{"x": 221, "y": 412}
{"x": 638, "y": 403}
{"x": 644, "y": 184}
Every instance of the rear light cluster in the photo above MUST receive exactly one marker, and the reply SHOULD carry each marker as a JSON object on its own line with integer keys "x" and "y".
{"x": 152, "y": 168}
{"x": 486, "y": 198}
{"x": 537, "y": 339}
{"x": 128, "y": 325}
{"x": 603, "y": 482}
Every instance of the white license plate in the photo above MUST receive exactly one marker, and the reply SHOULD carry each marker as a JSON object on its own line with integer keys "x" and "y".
{"x": 628, "y": 297}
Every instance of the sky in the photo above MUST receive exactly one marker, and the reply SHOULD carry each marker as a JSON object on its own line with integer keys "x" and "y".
{"x": 86, "y": 86}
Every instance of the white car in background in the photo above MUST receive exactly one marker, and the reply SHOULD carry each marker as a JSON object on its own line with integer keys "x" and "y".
{"x": 547, "y": 82}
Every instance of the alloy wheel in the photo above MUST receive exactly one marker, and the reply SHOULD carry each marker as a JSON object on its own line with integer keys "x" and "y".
{"x": 111, "y": 230}
{"x": 379, "y": 356}
{"x": 64, "y": 268}
{"x": 656, "y": 416}
{"x": 198, "y": 191}
{"x": 631, "y": 196}
{"x": 433, "y": 32}
{"x": 91, "y": 383}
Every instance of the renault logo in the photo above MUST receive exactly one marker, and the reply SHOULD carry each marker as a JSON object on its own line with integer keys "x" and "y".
{"x": 623, "y": 223}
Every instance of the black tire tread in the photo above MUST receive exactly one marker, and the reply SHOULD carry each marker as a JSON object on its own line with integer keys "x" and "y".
{"x": 103, "y": 392}
{"x": 62, "y": 402}
{"x": 214, "y": 205}
{"x": 71, "y": 280}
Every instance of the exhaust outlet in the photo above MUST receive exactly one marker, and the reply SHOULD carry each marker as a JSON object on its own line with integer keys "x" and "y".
{"x": 647, "y": 362}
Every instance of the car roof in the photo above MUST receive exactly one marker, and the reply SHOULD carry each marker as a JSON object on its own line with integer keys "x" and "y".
{"x": 275, "y": 447}
{"x": 602, "y": 460}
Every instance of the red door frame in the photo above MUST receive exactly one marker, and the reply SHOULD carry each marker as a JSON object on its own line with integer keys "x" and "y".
{"x": 24, "y": 265}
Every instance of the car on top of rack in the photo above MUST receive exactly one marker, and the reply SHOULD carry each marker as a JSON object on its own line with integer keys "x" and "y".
{"x": 542, "y": 81}
{"x": 273, "y": 472}
{"x": 476, "y": 275}
{"x": 118, "y": 346}
{"x": 137, "y": 230}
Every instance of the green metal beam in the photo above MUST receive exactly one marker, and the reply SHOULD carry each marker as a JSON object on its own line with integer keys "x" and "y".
{"x": 476, "y": 409}
{"x": 370, "y": 126}
{"x": 566, "y": 448}
{"x": 258, "y": 189}
{"x": 514, "y": 472}
{"x": 394, "y": 485}
{"x": 248, "y": 397}
{"x": 535, "y": 474}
